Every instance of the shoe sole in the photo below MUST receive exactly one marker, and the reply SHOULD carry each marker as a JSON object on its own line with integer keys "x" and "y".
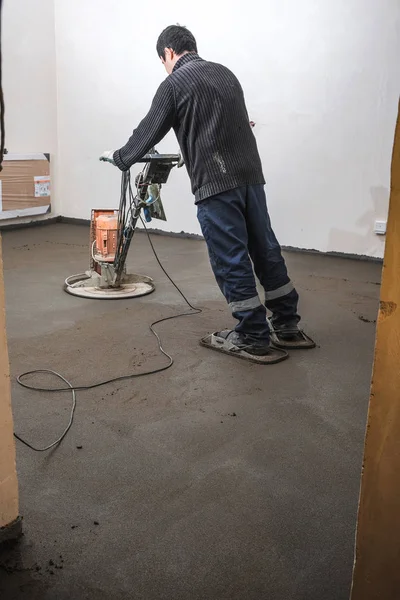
{"x": 305, "y": 344}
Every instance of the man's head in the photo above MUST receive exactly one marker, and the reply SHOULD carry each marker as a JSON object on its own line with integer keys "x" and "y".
{"x": 174, "y": 42}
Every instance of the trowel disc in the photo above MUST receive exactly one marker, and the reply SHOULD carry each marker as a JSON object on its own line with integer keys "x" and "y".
{"x": 83, "y": 285}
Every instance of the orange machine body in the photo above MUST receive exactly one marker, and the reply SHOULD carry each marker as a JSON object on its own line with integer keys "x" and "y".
{"x": 104, "y": 236}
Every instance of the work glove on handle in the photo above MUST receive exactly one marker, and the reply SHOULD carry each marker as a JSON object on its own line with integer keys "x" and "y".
{"x": 108, "y": 156}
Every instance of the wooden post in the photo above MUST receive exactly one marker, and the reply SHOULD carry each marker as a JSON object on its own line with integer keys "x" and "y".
{"x": 10, "y": 525}
{"x": 376, "y": 573}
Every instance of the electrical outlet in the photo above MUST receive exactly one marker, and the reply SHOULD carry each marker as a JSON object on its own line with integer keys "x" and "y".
{"x": 380, "y": 227}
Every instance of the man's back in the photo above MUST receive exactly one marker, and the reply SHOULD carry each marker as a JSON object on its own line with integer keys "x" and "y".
{"x": 212, "y": 127}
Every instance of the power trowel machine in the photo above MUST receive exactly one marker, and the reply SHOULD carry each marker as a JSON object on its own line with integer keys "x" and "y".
{"x": 111, "y": 233}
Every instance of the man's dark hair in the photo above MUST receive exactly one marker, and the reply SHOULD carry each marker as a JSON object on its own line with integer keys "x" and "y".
{"x": 178, "y": 38}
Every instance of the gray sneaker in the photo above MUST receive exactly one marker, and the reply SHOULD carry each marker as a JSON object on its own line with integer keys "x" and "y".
{"x": 238, "y": 339}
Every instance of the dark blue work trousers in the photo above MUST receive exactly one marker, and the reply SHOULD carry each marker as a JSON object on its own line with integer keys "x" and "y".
{"x": 237, "y": 229}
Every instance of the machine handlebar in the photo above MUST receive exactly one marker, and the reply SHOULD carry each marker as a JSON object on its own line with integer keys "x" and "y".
{"x": 165, "y": 158}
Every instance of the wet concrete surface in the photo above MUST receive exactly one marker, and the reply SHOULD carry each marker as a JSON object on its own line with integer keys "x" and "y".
{"x": 216, "y": 479}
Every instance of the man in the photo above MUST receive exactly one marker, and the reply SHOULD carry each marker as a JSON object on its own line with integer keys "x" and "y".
{"x": 204, "y": 103}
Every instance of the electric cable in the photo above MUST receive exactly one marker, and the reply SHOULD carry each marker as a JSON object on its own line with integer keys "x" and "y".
{"x": 71, "y": 418}
{"x": 73, "y": 388}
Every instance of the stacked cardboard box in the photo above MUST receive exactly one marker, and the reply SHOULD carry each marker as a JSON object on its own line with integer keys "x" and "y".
{"x": 24, "y": 185}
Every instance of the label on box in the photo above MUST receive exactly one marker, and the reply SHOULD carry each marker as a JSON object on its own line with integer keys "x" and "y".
{"x": 42, "y": 186}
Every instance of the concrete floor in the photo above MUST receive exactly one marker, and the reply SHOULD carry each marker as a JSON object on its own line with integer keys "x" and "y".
{"x": 217, "y": 479}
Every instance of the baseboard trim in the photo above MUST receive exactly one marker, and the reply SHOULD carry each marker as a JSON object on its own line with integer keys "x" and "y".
{"x": 73, "y": 221}
{"x": 347, "y": 256}
{"x": 39, "y": 223}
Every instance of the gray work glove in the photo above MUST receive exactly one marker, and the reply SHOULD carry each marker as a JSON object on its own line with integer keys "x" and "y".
{"x": 107, "y": 156}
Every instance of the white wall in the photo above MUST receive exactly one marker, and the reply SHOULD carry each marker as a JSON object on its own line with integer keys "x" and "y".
{"x": 321, "y": 79}
{"x": 29, "y": 79}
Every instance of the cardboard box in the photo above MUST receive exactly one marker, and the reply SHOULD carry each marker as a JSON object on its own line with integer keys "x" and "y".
{"x": 24, "y": 185}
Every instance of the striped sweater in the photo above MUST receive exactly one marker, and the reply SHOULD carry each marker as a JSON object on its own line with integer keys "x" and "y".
{"x": 204, "y": 103}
